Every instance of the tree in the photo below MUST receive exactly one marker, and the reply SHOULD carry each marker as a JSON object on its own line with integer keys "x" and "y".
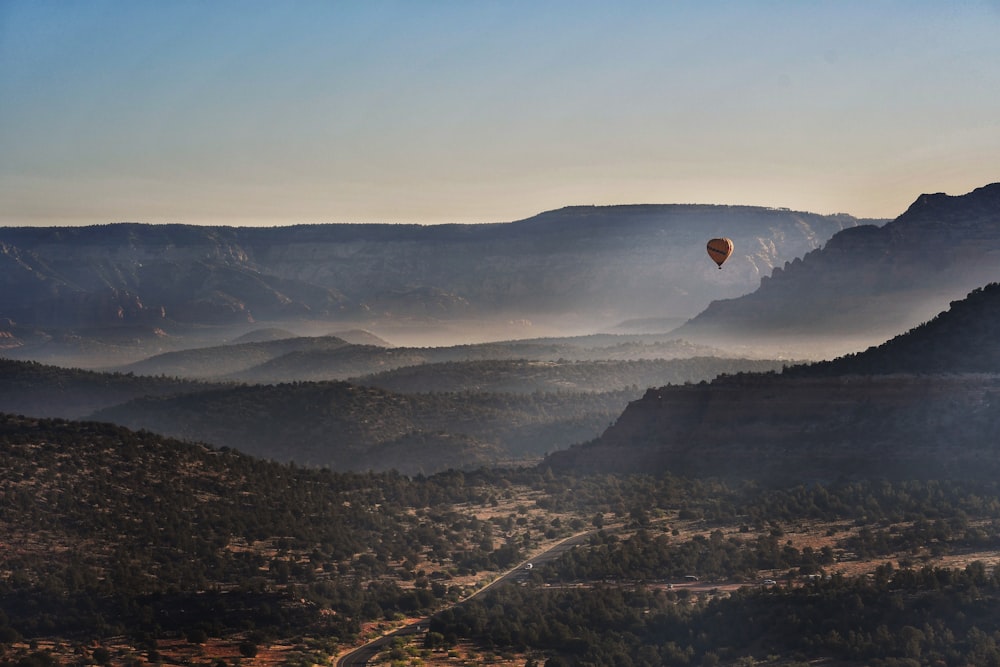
{"x": 101, "y": 656}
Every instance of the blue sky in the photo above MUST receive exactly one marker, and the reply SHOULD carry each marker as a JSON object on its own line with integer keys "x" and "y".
{"x": 300, "y": 111}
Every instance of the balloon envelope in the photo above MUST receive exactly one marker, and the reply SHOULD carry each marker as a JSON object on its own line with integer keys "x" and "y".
{"x": 720, "y": 250}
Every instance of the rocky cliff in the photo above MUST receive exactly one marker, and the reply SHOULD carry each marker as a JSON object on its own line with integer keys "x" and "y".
{"x": 870, "y": 282}
{"x": 618, "y": 262}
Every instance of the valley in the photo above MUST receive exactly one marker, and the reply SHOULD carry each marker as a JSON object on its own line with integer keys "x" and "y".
{"x": 284, "y": 565}
{"x": 499, "y": 334}
{"x": 244, "y": 486}
{"x": 493, "y": 404}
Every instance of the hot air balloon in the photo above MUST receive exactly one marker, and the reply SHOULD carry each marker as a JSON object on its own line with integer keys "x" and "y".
{"x": 720, "y": 250}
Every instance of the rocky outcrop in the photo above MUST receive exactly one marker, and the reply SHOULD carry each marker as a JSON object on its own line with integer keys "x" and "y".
{"x": 870, "y": 281}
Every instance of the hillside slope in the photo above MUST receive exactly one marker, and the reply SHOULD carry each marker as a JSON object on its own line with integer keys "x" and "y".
{"x": 349, "y": 427}
{"x": 963, "y": 339}
{"x": 869, "y": 282}
{"x": 461, "y": 414}
{"x": 930, "y": 405}
{"x": 221, "y": 360}
{"x": 525, "y": 377}
{"x": 330, "y": 358}
{"x": 38, "y": 390}
{"x": 164, "y": 548}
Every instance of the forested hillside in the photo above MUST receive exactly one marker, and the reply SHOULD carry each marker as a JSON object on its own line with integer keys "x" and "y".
{"x": 31, "y": 388}
{"x": 124, "y": 547}
{"x": 107, "y": 531}
{"x": 521, "y": 376}
{"x": 458, "y": 414}
{"x": 923, "y": 404}
{"x": 963, "y": 339}
{"x": 350, "y": 427}
{"x": 329, "y": 358}
{"x": 217, "y": 361}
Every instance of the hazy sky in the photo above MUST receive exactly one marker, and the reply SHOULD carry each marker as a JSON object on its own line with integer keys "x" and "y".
{"x": 291, "y": 111}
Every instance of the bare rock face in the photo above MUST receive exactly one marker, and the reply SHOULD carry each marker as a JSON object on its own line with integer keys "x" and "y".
{"x": 603, "y": 263}
{"x": 615, "y": 262}
{"x": 871, "y": 280}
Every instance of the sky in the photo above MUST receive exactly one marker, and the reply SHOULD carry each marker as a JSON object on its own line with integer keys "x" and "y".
{"x": 250, "y": 112}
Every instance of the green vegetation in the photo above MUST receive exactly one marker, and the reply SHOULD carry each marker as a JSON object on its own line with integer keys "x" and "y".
{"x": 110, "y": 531}
{"x": 41, "y": 390}
{"x": 561, "y": 375}
{"x": 921, "y": 519}
{"x": 457, "y": 414}
{"x": 113, "y": 533}
{"x": 899, "y": 618}
{"x": 342, "y": 426}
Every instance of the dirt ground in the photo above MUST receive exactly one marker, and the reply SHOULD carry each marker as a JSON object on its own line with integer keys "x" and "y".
{"x": 802, "y": 534}
{"x": 306, "y": 652}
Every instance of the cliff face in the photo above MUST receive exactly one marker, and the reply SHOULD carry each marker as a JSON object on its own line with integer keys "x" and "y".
{"x": 617, "y": 262}
{"x": 871, "y": 280}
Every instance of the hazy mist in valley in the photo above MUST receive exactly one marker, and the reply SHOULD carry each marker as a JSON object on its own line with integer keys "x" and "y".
{"x": 552, "y": 334}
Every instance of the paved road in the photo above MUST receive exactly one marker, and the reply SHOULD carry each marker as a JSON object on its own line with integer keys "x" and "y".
{"x": 521, "y": 572}
{"x": 359, "y": 657}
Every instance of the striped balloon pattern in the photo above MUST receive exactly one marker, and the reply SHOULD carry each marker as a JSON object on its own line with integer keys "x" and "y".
{"x": 720, "y": 250}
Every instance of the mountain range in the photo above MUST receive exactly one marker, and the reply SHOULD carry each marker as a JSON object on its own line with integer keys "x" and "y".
{"x": 597, "y": 265}
{"x": 889, "y": 408}
{"x": 128, "y": 547}
{"x": 475, "y": 405}
{"x": 129, "y": 290}
{"x": 867, "y": 283}
{"x": 332, "y": 358}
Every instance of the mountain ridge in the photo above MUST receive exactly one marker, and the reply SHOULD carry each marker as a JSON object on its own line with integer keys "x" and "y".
{"x": 891, "y": 411}
{"x": 619, "y": 261}
{"x": 869, "y": 281}
{"x": 427, "y": 418}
